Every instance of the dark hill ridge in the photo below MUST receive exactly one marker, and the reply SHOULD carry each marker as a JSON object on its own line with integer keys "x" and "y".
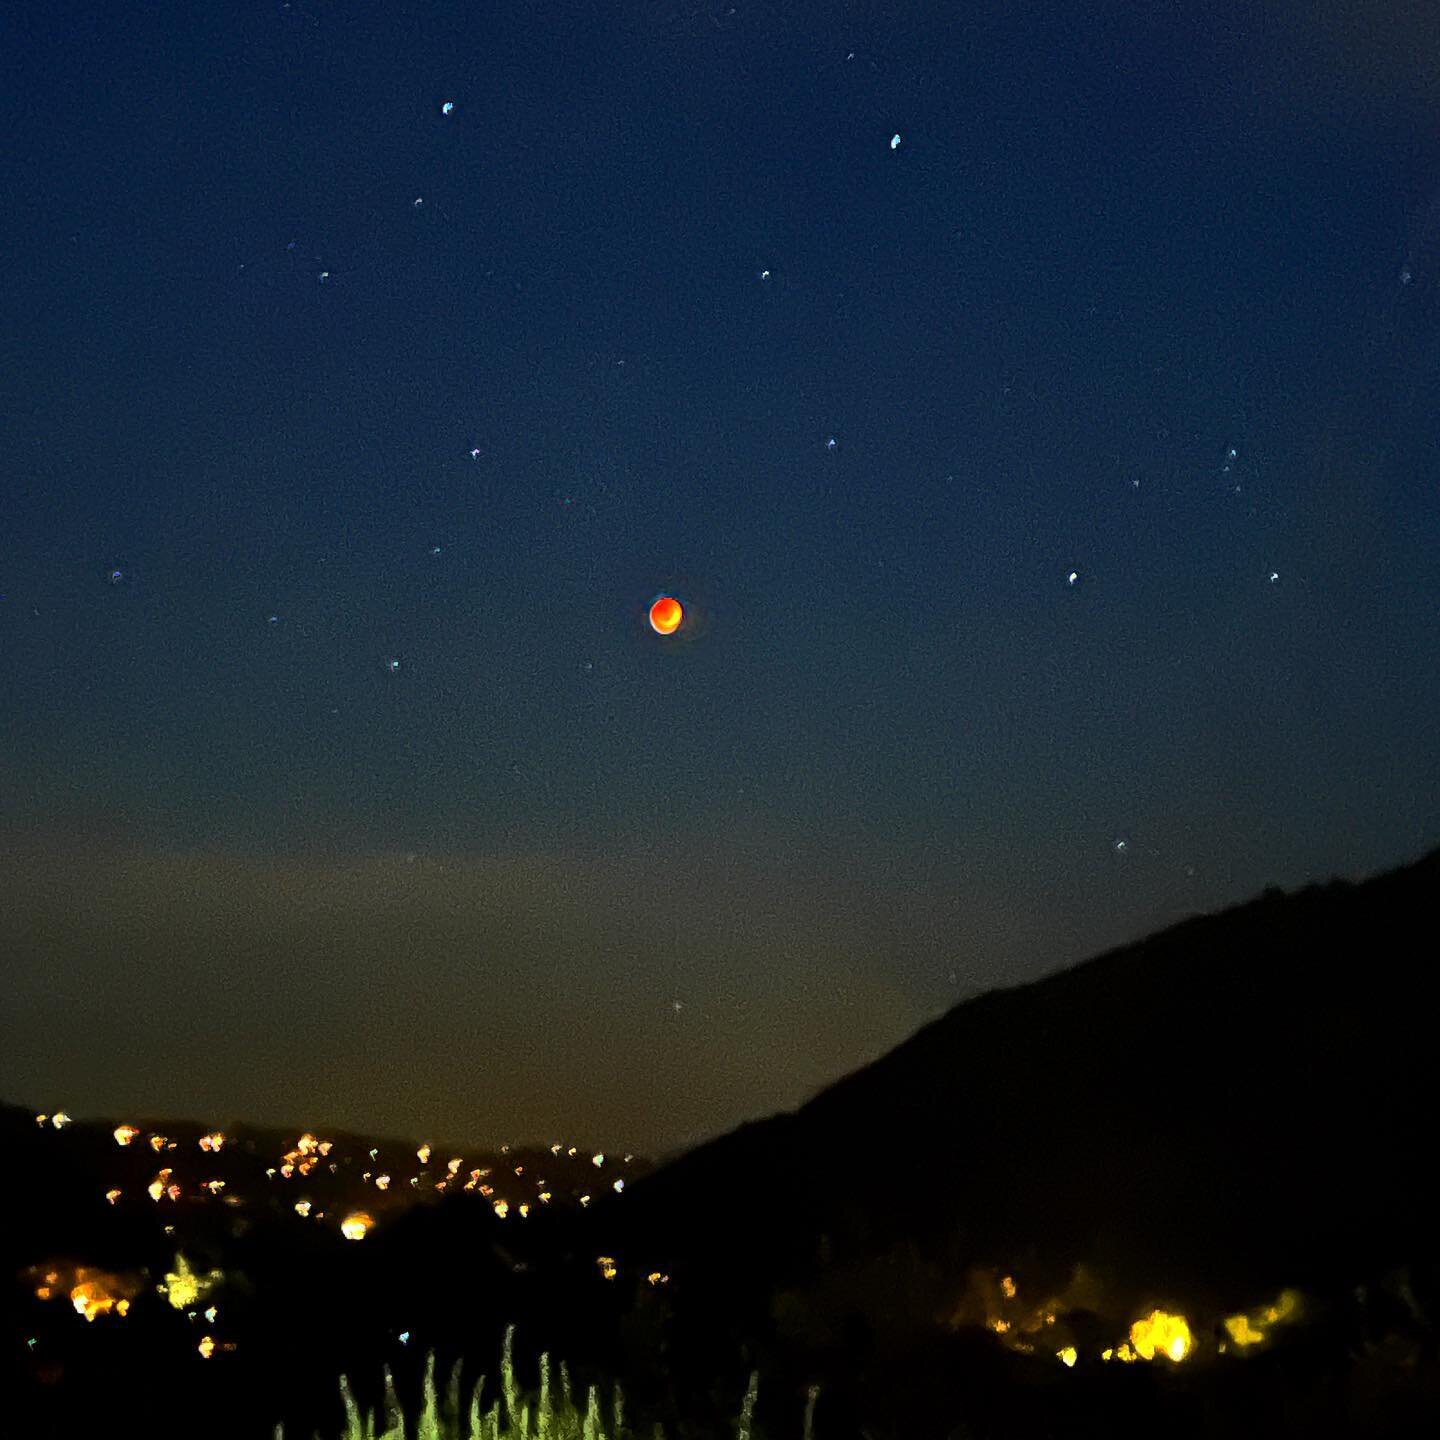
{"x": 1240, "y": 1101}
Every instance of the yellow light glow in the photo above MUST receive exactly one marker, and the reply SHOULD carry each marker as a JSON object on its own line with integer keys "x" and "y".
{"x": 1248, "y": 1330}
{"x": 124, "y": 1134}
{"x": 89, "y": 1300}
{"x": 356, "y": 1226}
{"x": 1068, "y": 1356}
{"x": 94, "y": 1292}
{"x": 1161, "y": 1333}
{"x": 98, "y": 1293}
{"x": 423, "y": 1154}
{"x": 183, "y": 1287}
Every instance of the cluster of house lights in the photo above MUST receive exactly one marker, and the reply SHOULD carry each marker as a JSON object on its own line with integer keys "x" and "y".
{"x": 309, "y": 1152}
{"x": 1159, "y": 1335}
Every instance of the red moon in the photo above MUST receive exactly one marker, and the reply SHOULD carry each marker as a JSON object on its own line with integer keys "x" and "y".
{"x": 665, "y": 615}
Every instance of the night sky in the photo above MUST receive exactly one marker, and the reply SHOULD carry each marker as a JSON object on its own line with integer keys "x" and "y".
{"x": 1052, "y": 492}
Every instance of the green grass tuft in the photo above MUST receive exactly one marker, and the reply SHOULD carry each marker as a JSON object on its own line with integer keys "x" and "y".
{"x": 548, "y": 1418}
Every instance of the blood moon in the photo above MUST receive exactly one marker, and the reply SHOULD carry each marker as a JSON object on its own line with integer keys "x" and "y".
{"x": 667, "y": 614}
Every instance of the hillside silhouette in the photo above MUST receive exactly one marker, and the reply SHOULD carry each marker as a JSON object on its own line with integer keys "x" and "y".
{"x": 1231, "y": 1118}
{"x": 1237, "y": 1104}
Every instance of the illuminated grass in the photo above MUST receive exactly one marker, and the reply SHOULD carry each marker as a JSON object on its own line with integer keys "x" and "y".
{"x": 550, "y": 1417}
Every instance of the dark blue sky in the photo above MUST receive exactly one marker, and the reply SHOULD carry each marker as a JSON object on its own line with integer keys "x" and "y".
{"x": 1126, "y": 300}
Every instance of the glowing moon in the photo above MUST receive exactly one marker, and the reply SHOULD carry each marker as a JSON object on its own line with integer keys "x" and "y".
{"x": 665, "y": 615}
